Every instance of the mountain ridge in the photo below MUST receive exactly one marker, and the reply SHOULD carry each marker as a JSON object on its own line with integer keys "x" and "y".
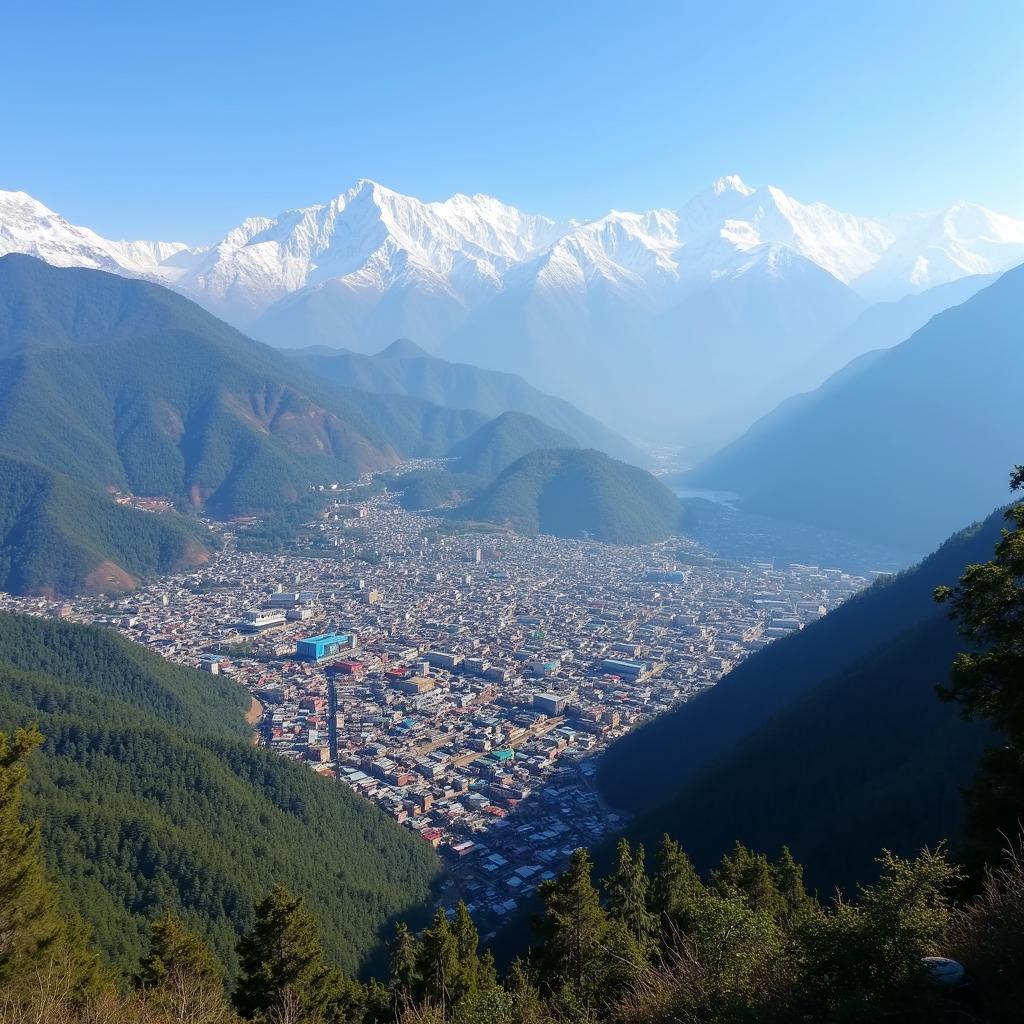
{"x": 898, "y": 447}
{"x": 477, "y": 280}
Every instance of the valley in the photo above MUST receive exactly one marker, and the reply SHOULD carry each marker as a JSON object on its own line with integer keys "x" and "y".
{"x": 475, "y": 677}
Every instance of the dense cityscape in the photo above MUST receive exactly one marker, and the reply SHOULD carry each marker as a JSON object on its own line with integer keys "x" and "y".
{"x": 463, "y": 682}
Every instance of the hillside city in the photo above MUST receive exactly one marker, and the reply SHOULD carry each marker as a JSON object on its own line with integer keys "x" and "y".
{"x": 463, "y": 682}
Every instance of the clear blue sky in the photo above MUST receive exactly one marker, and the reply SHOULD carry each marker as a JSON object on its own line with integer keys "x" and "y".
{"x": 177, "y": 120}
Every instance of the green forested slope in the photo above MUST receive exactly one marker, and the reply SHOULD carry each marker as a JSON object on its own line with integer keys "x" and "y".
{"x": 114, "y": 383}
{"x": 832, "y": 740}
{"x": 578, "y": 493}
{"x": 57, "y": 536}
{"x": 412, "y": 426}
{"x": 500, "y": 442}
{"x": 152, "y": 795}
{"x": 870, "y": 759}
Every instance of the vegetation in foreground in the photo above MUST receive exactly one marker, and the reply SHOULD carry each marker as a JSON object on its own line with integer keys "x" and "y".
{"x": 748, "y": 944}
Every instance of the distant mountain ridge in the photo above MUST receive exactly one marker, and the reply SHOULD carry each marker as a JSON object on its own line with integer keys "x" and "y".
{"x": 902, "y": 445}
{"x": 112, "y": 384}
{"x": 403, "y": 368}
{"x": 188, "y": 409}
{"x": 468, "y": 275}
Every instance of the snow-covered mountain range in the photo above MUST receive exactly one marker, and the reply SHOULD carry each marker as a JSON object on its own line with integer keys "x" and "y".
{"x": 725, "y": 297}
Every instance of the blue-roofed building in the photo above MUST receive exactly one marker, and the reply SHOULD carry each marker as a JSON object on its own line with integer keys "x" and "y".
{"x": 323, "y": 647}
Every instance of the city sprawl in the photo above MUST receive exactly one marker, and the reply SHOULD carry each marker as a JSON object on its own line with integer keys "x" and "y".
{"x": 464, "y": 682}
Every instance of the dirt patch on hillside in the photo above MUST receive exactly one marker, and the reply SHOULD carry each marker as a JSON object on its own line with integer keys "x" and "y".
{"x": 109, "y": 578}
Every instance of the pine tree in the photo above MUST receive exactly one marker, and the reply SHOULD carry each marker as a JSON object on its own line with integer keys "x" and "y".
{"x": 799, "y": 905}
{"x": 402, "y": 957}
{"x": 527, "y": 1005}
{"x": 747, "y": 874}
{"x": 573, "y": 927}
{"x": 467, "y": 941}
{"x": 283, "y": 973}
{"x": 988, "y": 606}
{"x": 675, "y": 888}
{"x": 626, "y": 888}
{"x": 438, "y": 962}
{"x": 180, "y": 976}
{"x": 29, "y": 925}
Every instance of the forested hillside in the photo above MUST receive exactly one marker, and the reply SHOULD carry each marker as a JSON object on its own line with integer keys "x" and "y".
{"x": 108, "y": 383}
{"x": 868, "y": 759}
{"x": 193, "y": 411}
{"x": 58, "y": 536}
{"x": 496, "y": 445}
{"x": 152, "y": 797}
{"x": 577, "y": 493}
{"x": 831, "y": 740}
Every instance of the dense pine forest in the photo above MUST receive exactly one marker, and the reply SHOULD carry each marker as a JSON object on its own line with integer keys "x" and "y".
{"x": 151, "y": 796}
{"x": 747, "y": 943}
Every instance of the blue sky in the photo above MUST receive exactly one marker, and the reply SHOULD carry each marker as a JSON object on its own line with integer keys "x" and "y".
{"x": 178, "y": 120}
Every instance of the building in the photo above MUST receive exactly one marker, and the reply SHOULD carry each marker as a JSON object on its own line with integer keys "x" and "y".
{"x": 627, "y": 669}
{"x": 261, "y": 619}
{"x": 550, "y": 703}
{"x": 442, "y": 659}
{"x": 414, "y": 684}
{"x": 323, "y": 647}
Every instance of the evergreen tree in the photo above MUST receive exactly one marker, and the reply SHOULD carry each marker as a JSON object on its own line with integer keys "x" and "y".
{"x": 180, "y": 976}
{"x": 675, "y": 888}
{"x": 467, "y": 941}
{"x": 573, "y": 928}
{"x": 438, "y": 962}
{"x": 29, "y": 926}
{"x": 988, "y": 682}
{"x": 627, "y": 890}
{"x": 527, "y": 1005}
{"x": 799, "y": 906}
{"x": 402, "y": 962}
{"x": 283, "y": 973}
{"x": 749, "y": 875}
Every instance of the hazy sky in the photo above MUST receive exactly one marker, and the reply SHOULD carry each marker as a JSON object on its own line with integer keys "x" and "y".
{"x": 177, "y": 120}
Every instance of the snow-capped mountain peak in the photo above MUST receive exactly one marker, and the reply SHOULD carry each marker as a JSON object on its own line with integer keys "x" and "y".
{"x": 28, "y": 226}
{"x": 731, "y": 183}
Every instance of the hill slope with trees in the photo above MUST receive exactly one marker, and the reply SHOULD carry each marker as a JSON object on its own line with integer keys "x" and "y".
{"x": 115, "y": 384}
{"x": 489, "y": 451}
{"x": 61, "y": 537}
{"x": 152, "y": 796}
{"x": 831, "y": 740}
{"x": 577, "y": 493}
